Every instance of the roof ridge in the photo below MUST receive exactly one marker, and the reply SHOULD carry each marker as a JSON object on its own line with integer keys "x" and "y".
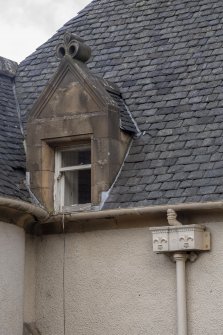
{"x": 8, "y": 67}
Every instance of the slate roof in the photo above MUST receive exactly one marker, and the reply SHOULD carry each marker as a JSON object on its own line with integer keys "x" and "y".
{"x": 127, "y": 122}
{"x": 167, "y": 59}
{"x": 12, "y": 157}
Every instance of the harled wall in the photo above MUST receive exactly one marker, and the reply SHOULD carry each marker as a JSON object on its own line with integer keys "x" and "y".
{"x": 115, "y": 285}
{"x": 12, "y": 252}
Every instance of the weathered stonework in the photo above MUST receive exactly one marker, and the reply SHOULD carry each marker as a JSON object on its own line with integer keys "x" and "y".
{"x": 74, "y": 108}
{"x": 74, "y": 47}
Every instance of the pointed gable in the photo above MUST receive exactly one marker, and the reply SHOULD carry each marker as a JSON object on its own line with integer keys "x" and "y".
{"x": 71, "y": 91}
{"x": 75, "y": 113}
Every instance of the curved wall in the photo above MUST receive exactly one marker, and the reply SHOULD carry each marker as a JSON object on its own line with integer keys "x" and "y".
{"x": 12, "y": 250}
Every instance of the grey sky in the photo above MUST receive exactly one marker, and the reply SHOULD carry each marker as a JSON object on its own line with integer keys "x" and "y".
{"x": 26, "y": 24}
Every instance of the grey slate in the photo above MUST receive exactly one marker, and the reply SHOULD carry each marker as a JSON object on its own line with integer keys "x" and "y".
{"x": 166, "y": 59}
{"x": 126, "y": 121}
{"x": 12, "y": 156}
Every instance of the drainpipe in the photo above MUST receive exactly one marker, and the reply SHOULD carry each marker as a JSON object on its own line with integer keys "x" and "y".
{"x": 180, "y": 260}
{"x": 181, "y": 242}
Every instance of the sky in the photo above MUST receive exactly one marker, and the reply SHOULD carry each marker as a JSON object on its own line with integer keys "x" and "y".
{"x": 26, "y": 24}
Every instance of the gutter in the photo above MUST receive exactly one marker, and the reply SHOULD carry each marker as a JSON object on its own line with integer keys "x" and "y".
{"x": 38, "y": 213}
{"x": 134, "y": 212}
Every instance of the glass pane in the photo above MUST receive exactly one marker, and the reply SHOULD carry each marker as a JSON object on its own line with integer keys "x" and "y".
{"x": 84, "y": 186}
{"x": 76, "y": 157}
{"x": 77, "y": 187}
{"x": 70, "y": 188}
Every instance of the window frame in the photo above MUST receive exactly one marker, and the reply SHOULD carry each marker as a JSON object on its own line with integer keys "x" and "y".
{"x": 59, "y": 177}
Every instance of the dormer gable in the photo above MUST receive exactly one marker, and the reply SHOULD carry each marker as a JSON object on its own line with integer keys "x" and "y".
{"x": 73, "y": 90}
{"x": 75, "y": 146}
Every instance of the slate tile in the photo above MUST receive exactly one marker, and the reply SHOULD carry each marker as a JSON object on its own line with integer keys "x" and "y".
{"x": 196, "y": 174}
{"x": 190, "y": 191}
{"x": 204, "y": 190}
{"x": 210, "y": 197}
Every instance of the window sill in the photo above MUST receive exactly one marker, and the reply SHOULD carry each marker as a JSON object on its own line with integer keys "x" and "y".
{"x": 77, "y": 208}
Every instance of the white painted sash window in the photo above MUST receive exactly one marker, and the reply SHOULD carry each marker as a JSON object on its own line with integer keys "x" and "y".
{"x": 72, "y": 177}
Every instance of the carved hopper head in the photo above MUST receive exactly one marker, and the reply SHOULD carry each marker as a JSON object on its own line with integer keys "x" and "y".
{"x": 74, "y": 47}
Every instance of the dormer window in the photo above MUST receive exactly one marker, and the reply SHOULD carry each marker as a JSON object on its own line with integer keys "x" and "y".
{"x": 76, "y": 143}
{"x": 73, "y": 177}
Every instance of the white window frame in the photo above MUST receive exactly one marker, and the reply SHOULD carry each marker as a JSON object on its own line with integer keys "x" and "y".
{"x": 59, "y": 180}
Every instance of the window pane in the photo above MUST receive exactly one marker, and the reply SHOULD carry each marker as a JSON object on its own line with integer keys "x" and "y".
{"x": 84, "y": 186}
{"x": 70, "y": 188}
{"x": 84, "y": 157}
{"x": 77, "y": 187}
{"x": 76, "y": 157}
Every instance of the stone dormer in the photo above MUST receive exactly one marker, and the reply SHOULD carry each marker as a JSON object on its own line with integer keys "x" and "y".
{"x": 75, "y": 147}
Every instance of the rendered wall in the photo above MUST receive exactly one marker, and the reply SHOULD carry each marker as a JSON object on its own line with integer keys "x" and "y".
{"x": 12, "y": 250}
{"x": 30, "y": 279}
{"x": 205, "y": 287}
{"x": 114, "y": 284}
